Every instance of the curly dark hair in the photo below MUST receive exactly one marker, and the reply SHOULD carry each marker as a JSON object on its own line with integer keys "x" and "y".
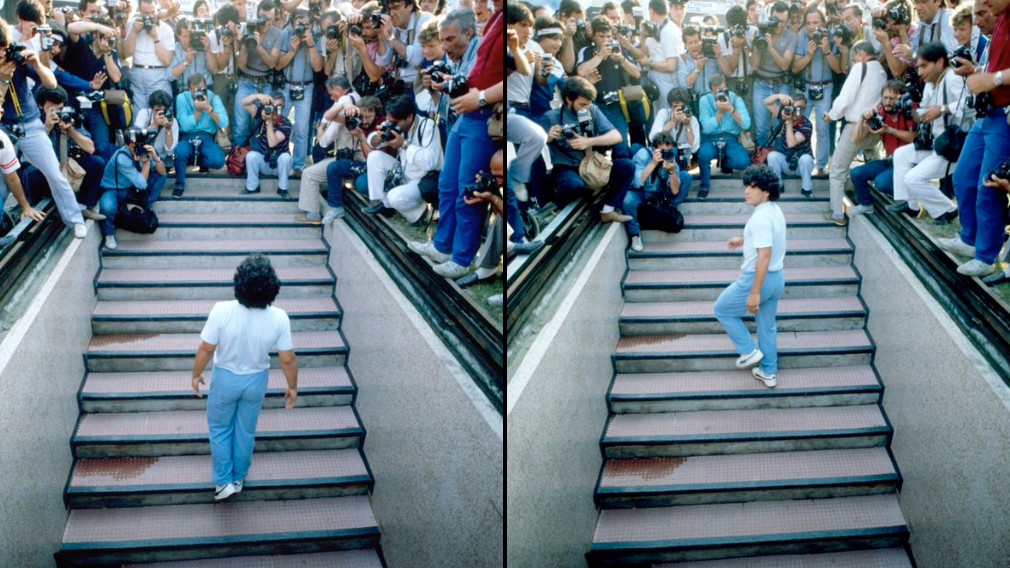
{"x": 763, "y": 178}
{"x": 256, "y": 283}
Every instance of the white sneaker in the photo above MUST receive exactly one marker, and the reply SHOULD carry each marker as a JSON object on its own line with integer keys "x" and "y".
{"x": 495, "y": 300}
{"x": 80, "y": 231}
{"x": 976, "y": 267}
{"x": 238, "y": 485}
{"x": 451, "y": 270}
{"x": 428, "y": 250}
{"x": 767, "y": 379}
{"x": 750, "y": 359}
{"x": 955, "y": 245}
{"x": 332, "y": 215}
{"x": 636, "y": 244}
{"x": 861, "y": 210}
{"x": 520, "y": 190}
{"x": 110, "y": 242}
{"x": 224, "y": 491}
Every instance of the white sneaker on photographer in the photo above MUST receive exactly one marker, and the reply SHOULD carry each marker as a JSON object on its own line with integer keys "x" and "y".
{"x": 636, "y": 244}
{"x": 110, "y": 242}
{"x": 80, "y": 230}
{"x": 861, "y": 210}
{"x": 428, "y": 250}
{"x": 955, "y": 245}
{"x": 519, "y": 189}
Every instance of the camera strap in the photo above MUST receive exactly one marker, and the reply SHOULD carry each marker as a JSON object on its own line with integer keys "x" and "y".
{"x": 15, "y": 101}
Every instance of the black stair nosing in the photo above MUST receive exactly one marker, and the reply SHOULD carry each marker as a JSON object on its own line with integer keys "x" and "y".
{"x": 285, "y": 282}
{"x": 650, "y": 255}
{"x": 745, "y": 394}
{"x": 161, "y": 439}
{"x": 833, "y": 314}
{"x": 188, "y": 393}
{"x": 236, "y": 225}
{"x": 190, "y": 542}
{"x": 786, "y": 352}
{"x": 734, "y": 437}
{"x": 106, "y": 253}
{"x": 631, "y": 491}
{"x": 299, "y": 351}
{"x": 262, "y": 485}
{"x": 846, "y": 281}
{"x": 131, "y": 318}
{"x": 813, "y": 223}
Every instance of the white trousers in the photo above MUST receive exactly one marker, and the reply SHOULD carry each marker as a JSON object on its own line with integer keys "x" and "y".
{"x": 405, "y": 198}
{"x": 914, "y": 172}
{"x": 841, "y": 160}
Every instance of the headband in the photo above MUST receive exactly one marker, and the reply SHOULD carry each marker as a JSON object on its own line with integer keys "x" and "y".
{"x": 550, "y": 32}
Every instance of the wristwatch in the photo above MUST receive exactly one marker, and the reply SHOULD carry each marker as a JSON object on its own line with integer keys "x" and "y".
{"x": 481, "y": 99}
{"x": 998, "y": 78}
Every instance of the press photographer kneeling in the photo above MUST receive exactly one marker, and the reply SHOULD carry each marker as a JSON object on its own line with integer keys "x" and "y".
{"x": 661, "y": 170}
{"x": 577, "y": 134}
{"x": 129, "y": 181}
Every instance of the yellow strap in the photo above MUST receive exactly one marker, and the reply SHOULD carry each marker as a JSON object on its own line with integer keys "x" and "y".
{"x": 14, "y": 99}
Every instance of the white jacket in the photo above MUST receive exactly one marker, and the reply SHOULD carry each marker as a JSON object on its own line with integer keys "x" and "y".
{"x": 859, "y": 94}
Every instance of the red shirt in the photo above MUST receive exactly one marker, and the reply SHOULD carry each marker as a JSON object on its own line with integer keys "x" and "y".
{"x": 898, "y": 122}
{"x": 489, "y": 70}
{"x": 999, "y": 57}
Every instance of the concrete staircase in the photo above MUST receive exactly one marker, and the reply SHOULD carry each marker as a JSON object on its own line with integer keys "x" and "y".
{"x": 702, "y": 463}
{"x": 140, "y": 489}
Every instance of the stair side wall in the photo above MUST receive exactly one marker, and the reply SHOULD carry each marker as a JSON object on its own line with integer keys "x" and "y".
{"x": 950, "y": 411}
{"x": 434, "y": 441}
{"x": 41, "y": 368}
{"x": 556, "y": 407}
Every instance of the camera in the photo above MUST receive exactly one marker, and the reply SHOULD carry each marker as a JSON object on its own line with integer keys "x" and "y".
{"x": 45, "y": 37}
{"x": 196, "y": 40}
{"x": 788, "y": 109}
{"x": 669, "y": 155}
{"x": 66, "y": 114}
{"x": 580, "y": 27}
{"x": 148, "y": 23}
{"x": 439, "y": 68}
{"x": 924, "y": 136}
{"x": 547, "y": 58}
{"x": 14, "y": 53}
{"x": 297, "y": 92}
{"x": 904, "y": 105}
{"x": 722, "y": 96}
{"x": 625, "y": 31}
{"x": 815, "y": 92}
{"x": 686, "y": 109}
{"x": 167, "y": 113}
{"x": 795, "y": 8}
{"x": 982, "y": 103}
{"x": 352, "y": 123}
{"x": 708, "y": 46}
{"x": 610, "y": 98}
{"x": 875, "y": 122}
{"x": 897, "y": 13}
{"x": 682, "y": 158}
{"x": 388, "y": 129}
{"x": 761, "y": 40}
{"x": 456, "y": 86}
{"x": 1002, "y": 171}
{"x": 225, "y": 32}
{"x": 799, "y": 83}
{"x": 141, "y": 136}
{"x": 333, "y": 32}
{"x": 249, "y": 41}
{"x": 914, "y": 92}
{"x": 720, "y": 151}
{"x": 818, "y": 35}
{"x": 583, "y": 125}
{"x": 794, "y": 161}
{"x": 843, "y": 32}
{"x": 741, "y": 87}
{"x": 299, "y": 30}
{"x": 376, "y": 20}
{"x": 483, "y": 183}
{"x": 202, "y": 24}
{"x": 200, "y": 95}
{"x": 740, "y": 31}
{"x": 269, "y": 109}
{"x": 614, "y": 45}
{"x": 879, "y": 24}
{"x": 354, "y": 30}
{"x": 962, "y": 52}
{"x": 651, "y": 30}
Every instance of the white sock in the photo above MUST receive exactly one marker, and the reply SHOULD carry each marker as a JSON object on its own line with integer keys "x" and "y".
{"x": 483, "y": 273}
{"x": 607, "y": 209}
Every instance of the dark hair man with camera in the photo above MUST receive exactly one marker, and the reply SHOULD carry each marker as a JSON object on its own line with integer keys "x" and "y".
{"x": 918, "y": 165}
{"x": 134, "y": 174}
{"x": 151, "y": 43}
{"x": 699, "y": 63}
{"x": 572, "y": 131}
{"x": 200, "y": 114}
{"x": 892, "y": 122}
{"x": 259, "y": 48}
{"x": 793, "y": 134}
{"x": 735, "y": 47}
{"x": 160, "y": 120}
{"x": 656, "y": 169}
{"x": 615, "y": 68}
{"x": 681, "y": 123}
{"x": 817, "y": 60}
{"x": 269, "y": 154}
{"x": 572, "y": 16}
{"x": 91, "y": 56}
{"x": 982, "y": 202}
{"x": 723, "y": 117}
{"x": 771, "y": 59}
{"x": 407, "y": 22}
{"x": 371, "y": 57}
{"x": 300, "y": 60}
{"x": 891, "y": 28}
{"x": 191, "y": 52}
{"x": 934, "y": 26}
{"x": 222, "y": 54}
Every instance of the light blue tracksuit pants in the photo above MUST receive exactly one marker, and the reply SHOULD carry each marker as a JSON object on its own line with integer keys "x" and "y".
{"x": 731, "y": 307}
{"x": 232, "y": 410}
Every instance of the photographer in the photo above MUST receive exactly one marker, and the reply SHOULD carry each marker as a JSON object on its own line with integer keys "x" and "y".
{"x": 934, "y": 26}
{"x": 625, "y": 31}
{"x": 91, "y": 56}
{"x": 258, "y": 51}
{"x": 893, "y": 36}
{"x": 655, "y": 170}
{"x": 723, "y": 117}
{"x": 896, "y": 128}
{"x": 299, "y": 63}
{"x": 569, "y": 138}
{"x": 573, "y": 18}
{"x": 201, "y": 113}
{"x": 330, "y": 134}
{"x": 518, "y": 85}
{"x": 551, "y": 75}
{"x": 664, "y": 43}
{"x": 9, "y": 166}
{"x": 680, "y": 122}
{"x": 696, "y": 69}
{"x": 967, "y": 35}
{"x": 407, "y": 23}
{"x": 221, "y": 61}
{"x": 917, "y": 166}
{"x": 771, "y": 60}
{"x": 371, "y": 58}
{"x": 151, "y": 43}
{"x": 816, "y": 63}
{"x": 792, "y": 154}
{"x": 134, "y": 174}
{"x": 735, "y": 45}
{"x": 188, "y": 59}
{"x": 412, "y": 141}
{"x": 159, "y": 119}
{"x": 270, "y": 141}
{"x": 982, "y": 205}
{"x": 614, "y": 68}
{"x": 860, "y": 93}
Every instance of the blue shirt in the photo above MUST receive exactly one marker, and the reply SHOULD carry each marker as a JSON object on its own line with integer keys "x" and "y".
{"x": 818, "y": 70}
{"x": 561, "y": 153}
{"x": 542, "y": 95}
{"x": 19, "y": 87}
{"x": 707, "y": 111}
{"x": 659, "y": 178}
{"x": 687, "y": 65}
{"x": 197, "y": 67}
{"x": 185, "y": 111}
{"x": 123, "y": 172}
{"x": 300, "y": 69}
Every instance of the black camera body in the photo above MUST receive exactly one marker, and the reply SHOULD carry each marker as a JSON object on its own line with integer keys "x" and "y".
{"x": 876, "y": 121}
{"x": 914, "y": 92}
{"x": 788, "y": 110}
{"x": 818, "y": 35}
{"x": 614, "y": 45}
{"x": 982, "y": 103}
{"x": 15, "y": 53}
{"x": 352, "y": 123}
{"x": 897, "y": 13}
{"x": 376, "y": 18}
{"x": 962, "y": 52}
{"x": 610, "y": 98}
{"x": 668, "y": 155}
{"x": 141, "y": 137}
{"x": 483, "y": 183}
{"x": 333, "y": 32}
{"x": 1002, "y": 171}
{"x": 880, "y": 24}
{"x": 651, "y": 30}
{"x": 456, "y": 86}
{"x": 761, "y": 40}
{"x": 249, "y": 41}
{"x": 739, "y": 30}
{"x": 904, "y": 105}
{"x": 167, "y": 113}
{"x": 300, "y": 29}
{"x": 924, "y": 136}
{"x": 66, "y": 114}
{"x": 200, "y": 95}
{"x": 722, "y": 96}
{"x": 225, "y": 32}
{"x": 196, "y": 40}
{"x": 741, "y": 87}
{"x": 148, "y": 23}
{"x": 686, "y": 109}
{"x": 843, "y": 32}
{"x": 799, "y": 83}
{"x": 624, "y": 30}
{"x": 708, "y": 47}
{"x": 354, "y": 30}
{"x": 580, "y": 27}
{"x": 387, "y": 130}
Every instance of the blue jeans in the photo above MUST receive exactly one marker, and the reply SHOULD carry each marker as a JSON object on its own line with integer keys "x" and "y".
{"x": 233, "y": 409}
{"x": 762, "y": 118}
{"x": 303, "y": 120}
{"x": 211, "y": 155}
{"x": 817, "y": 109}
{"x": 778, "y": 162}
{"x": 460, "y": 226}
{"x": 731, "y": 307}
{"x": 111, "y": 199}
{"x": 736, "y": 157}
{"x": 616, "y": 117}
{"x": 240, "y": 131}
{"x": 568, "y": 186}
{"x": 636, "y": 196}
{"x": 94, "y": 121}
{"x": 336, "y": 173}
{"x": 881, "y": 172}
{"x": 983, "y": 209}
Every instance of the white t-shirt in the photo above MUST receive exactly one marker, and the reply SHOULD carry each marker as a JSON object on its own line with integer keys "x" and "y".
{"x": 518, "y": 86}
{"x": 245, "y": 337}
{"x": 765, "y": 228}
{"x": 144, "y": 51}
{"x": 670, "y": 44}
{"x": 143, "y": 120}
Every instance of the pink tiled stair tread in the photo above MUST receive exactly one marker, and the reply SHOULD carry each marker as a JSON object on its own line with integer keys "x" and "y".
{"x": 293, "y": 306}
{"x": 720, "y": 246}
{"x": 203, "y": 275}
{"x": 741, "y": 220}
{"x": 880, "y": 558}
{"x": 217, "y": 219}
{"x": 346, "y": 559}
{"x": 169, "y": 381}
{"x": 715, "y": 381}
{"x": 146, "y": 342}
{"x": 787, "y": 306}
{"x": 194, "y": 422}
{"x": 205, "y": 522}
{"x": 267, "y": 245}
{"x": 179, "y": 470}
{"x": 720, "y": 342}
{"x": 232, "y": 192}
{"x": 743, "y": 468}
{"x": 745, "y": 421}
{"x": 729, "y": 275}
{"x": 747, "y": 519}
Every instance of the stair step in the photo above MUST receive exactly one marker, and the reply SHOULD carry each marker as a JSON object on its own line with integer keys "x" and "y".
{"x": 306, "y": 314}
{"x": 226, "y": 226}
{"x": 723, "y": 226}
{"x": 181, "y": 432}
{"x": 205, "y": 283}
{"x": 880, "y": 558}
{"x": 717, "y": 432}
{"x": 740, "y": 478}
{"x": 228, "y": 203}
{"x": 215, "y": 253}
{"x": 733, "y": 183}
{"x": 707, "y": 532}
{"x": 794, "y": 314}
{"x": 184, "y": 532}
{"x": 715, "y": 352}
{"x": 732, "y": 203}
{"x": 170, "y": 390}
{"x": 685, "y": 254}
{"x": 737, "y": 390}
{"x": 368, "y": 558}
{"x": 175, "y": 351}
{"x": 224, "y": 185}
{"x": 706, "y": 285}
{"x": 177, "y": 480}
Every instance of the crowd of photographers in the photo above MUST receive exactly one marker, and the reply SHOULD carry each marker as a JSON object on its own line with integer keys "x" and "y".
{"x": 916, "y": 90}
{"x": 401, "y": 100}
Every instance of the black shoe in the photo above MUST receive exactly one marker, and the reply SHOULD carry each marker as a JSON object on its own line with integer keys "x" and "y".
{"x": 283, "y": 193}
{"x": 529, "y": 247}
{"x": 471, "y": 279}
{"x": 702, "y": 194}
{"x": 807, "y": 194}
{"x": 946, "y": 218}
{"x": 248, "y": 192}
{"x": 379, "y": 209}
{"x": 897, "y": 207}
{"x": 997, "y": 278}
{"x": 726, "y": 171}
{"x": 177, "y": 193}
{"x": 204, "y": 170}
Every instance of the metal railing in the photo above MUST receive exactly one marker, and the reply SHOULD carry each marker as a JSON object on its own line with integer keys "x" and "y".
{"x": 30, "y": 242}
